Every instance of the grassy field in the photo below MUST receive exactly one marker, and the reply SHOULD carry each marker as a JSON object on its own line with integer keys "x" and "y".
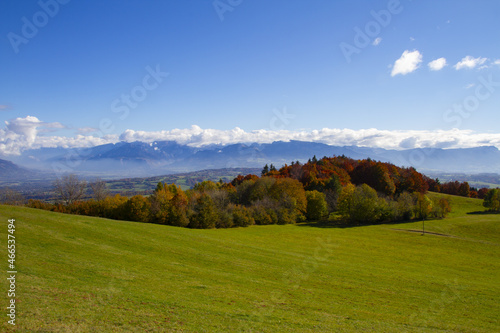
{"x": 82, "y": 274}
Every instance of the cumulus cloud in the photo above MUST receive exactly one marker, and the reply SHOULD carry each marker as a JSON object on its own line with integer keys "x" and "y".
{"x": 377, "y": 41}
{"x": 437, "y": 64}
{"x": 20, "y": 134}
{"x": 23, "y": 133}
{"x": 496, "y": 62}
{"x": 470, "y": 62}
{"x": 407, "y": 63}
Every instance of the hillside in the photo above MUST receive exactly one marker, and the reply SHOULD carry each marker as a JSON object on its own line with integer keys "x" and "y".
{"x": 9, "y": 170}
{"x": 82, "y": 274}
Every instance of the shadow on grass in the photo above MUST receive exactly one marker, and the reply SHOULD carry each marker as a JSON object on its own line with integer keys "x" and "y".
{"x": 343, "y": 225}
{"x": 483, "y": 212}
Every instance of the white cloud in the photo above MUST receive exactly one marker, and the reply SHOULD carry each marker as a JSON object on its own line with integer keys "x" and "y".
{"x": 86, "y": 130}
{"x": 24, "y": 127}
{"x": 377, "y": 41}
{"x": 470, "y": 62}
{"x": 470, "y": 85}
{"x": 407, "y": 63}
{"x": 198, "y": 137}
{"x": 21, "y": 134}
{"x": 412, "y": 39}
{"x": 24, "y": 133}
{"x": 437, "y": 64}
{"x": 496, "y": 62}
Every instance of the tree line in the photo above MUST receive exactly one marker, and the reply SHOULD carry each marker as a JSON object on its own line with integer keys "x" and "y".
{"x": 338, "y": 188}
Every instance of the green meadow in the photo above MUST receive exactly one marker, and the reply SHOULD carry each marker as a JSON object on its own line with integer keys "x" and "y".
{"x": 83, "y": 274}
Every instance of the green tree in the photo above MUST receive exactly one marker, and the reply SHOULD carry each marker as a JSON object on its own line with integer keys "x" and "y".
{"x": 317, "y": 207}
{"x": 405, "y": 206}
{"x": 137, "y": 209}
{"x": 242, "y": 216}
{"x": 204, "y": 215}
{"x": 265, "y": 170}
{"x": 359, "y": 204}
{"x": 492, "y": 200}
{"x": 440, "y": 208}
{"x": 423, "y": 205}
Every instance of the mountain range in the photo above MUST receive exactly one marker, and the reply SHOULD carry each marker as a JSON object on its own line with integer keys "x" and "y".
{"x": 140, "y": 159}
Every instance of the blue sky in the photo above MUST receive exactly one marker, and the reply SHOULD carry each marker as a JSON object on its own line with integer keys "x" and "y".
{"x": 203, "y": 71}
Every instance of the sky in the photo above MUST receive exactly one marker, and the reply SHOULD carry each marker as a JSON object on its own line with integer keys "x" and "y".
{"x": 390, "y": 74}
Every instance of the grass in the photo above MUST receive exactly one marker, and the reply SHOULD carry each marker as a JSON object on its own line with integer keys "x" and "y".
{"x": 82, "y": 274}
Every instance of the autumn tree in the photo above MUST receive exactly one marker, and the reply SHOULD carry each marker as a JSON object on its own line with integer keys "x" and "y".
{"x": 114, "y": 207}
{"x": 405, "y": 206}
{"x": 241, "y": 216}
{"x": 70, "y": 188}
{"x": 481, "y": 193}
{"x": 160, "y": 203}
{"x": 374, "y": 174}
{"x": 464, "y": 189}
{"x": 169, "y": 205}
{"x": 9, "y": 196}
{"x": 423, "y": 205}
{"x": 138, "y": 209}
{"x": 99, "y": 190}
{"x": 440, "y": 208}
